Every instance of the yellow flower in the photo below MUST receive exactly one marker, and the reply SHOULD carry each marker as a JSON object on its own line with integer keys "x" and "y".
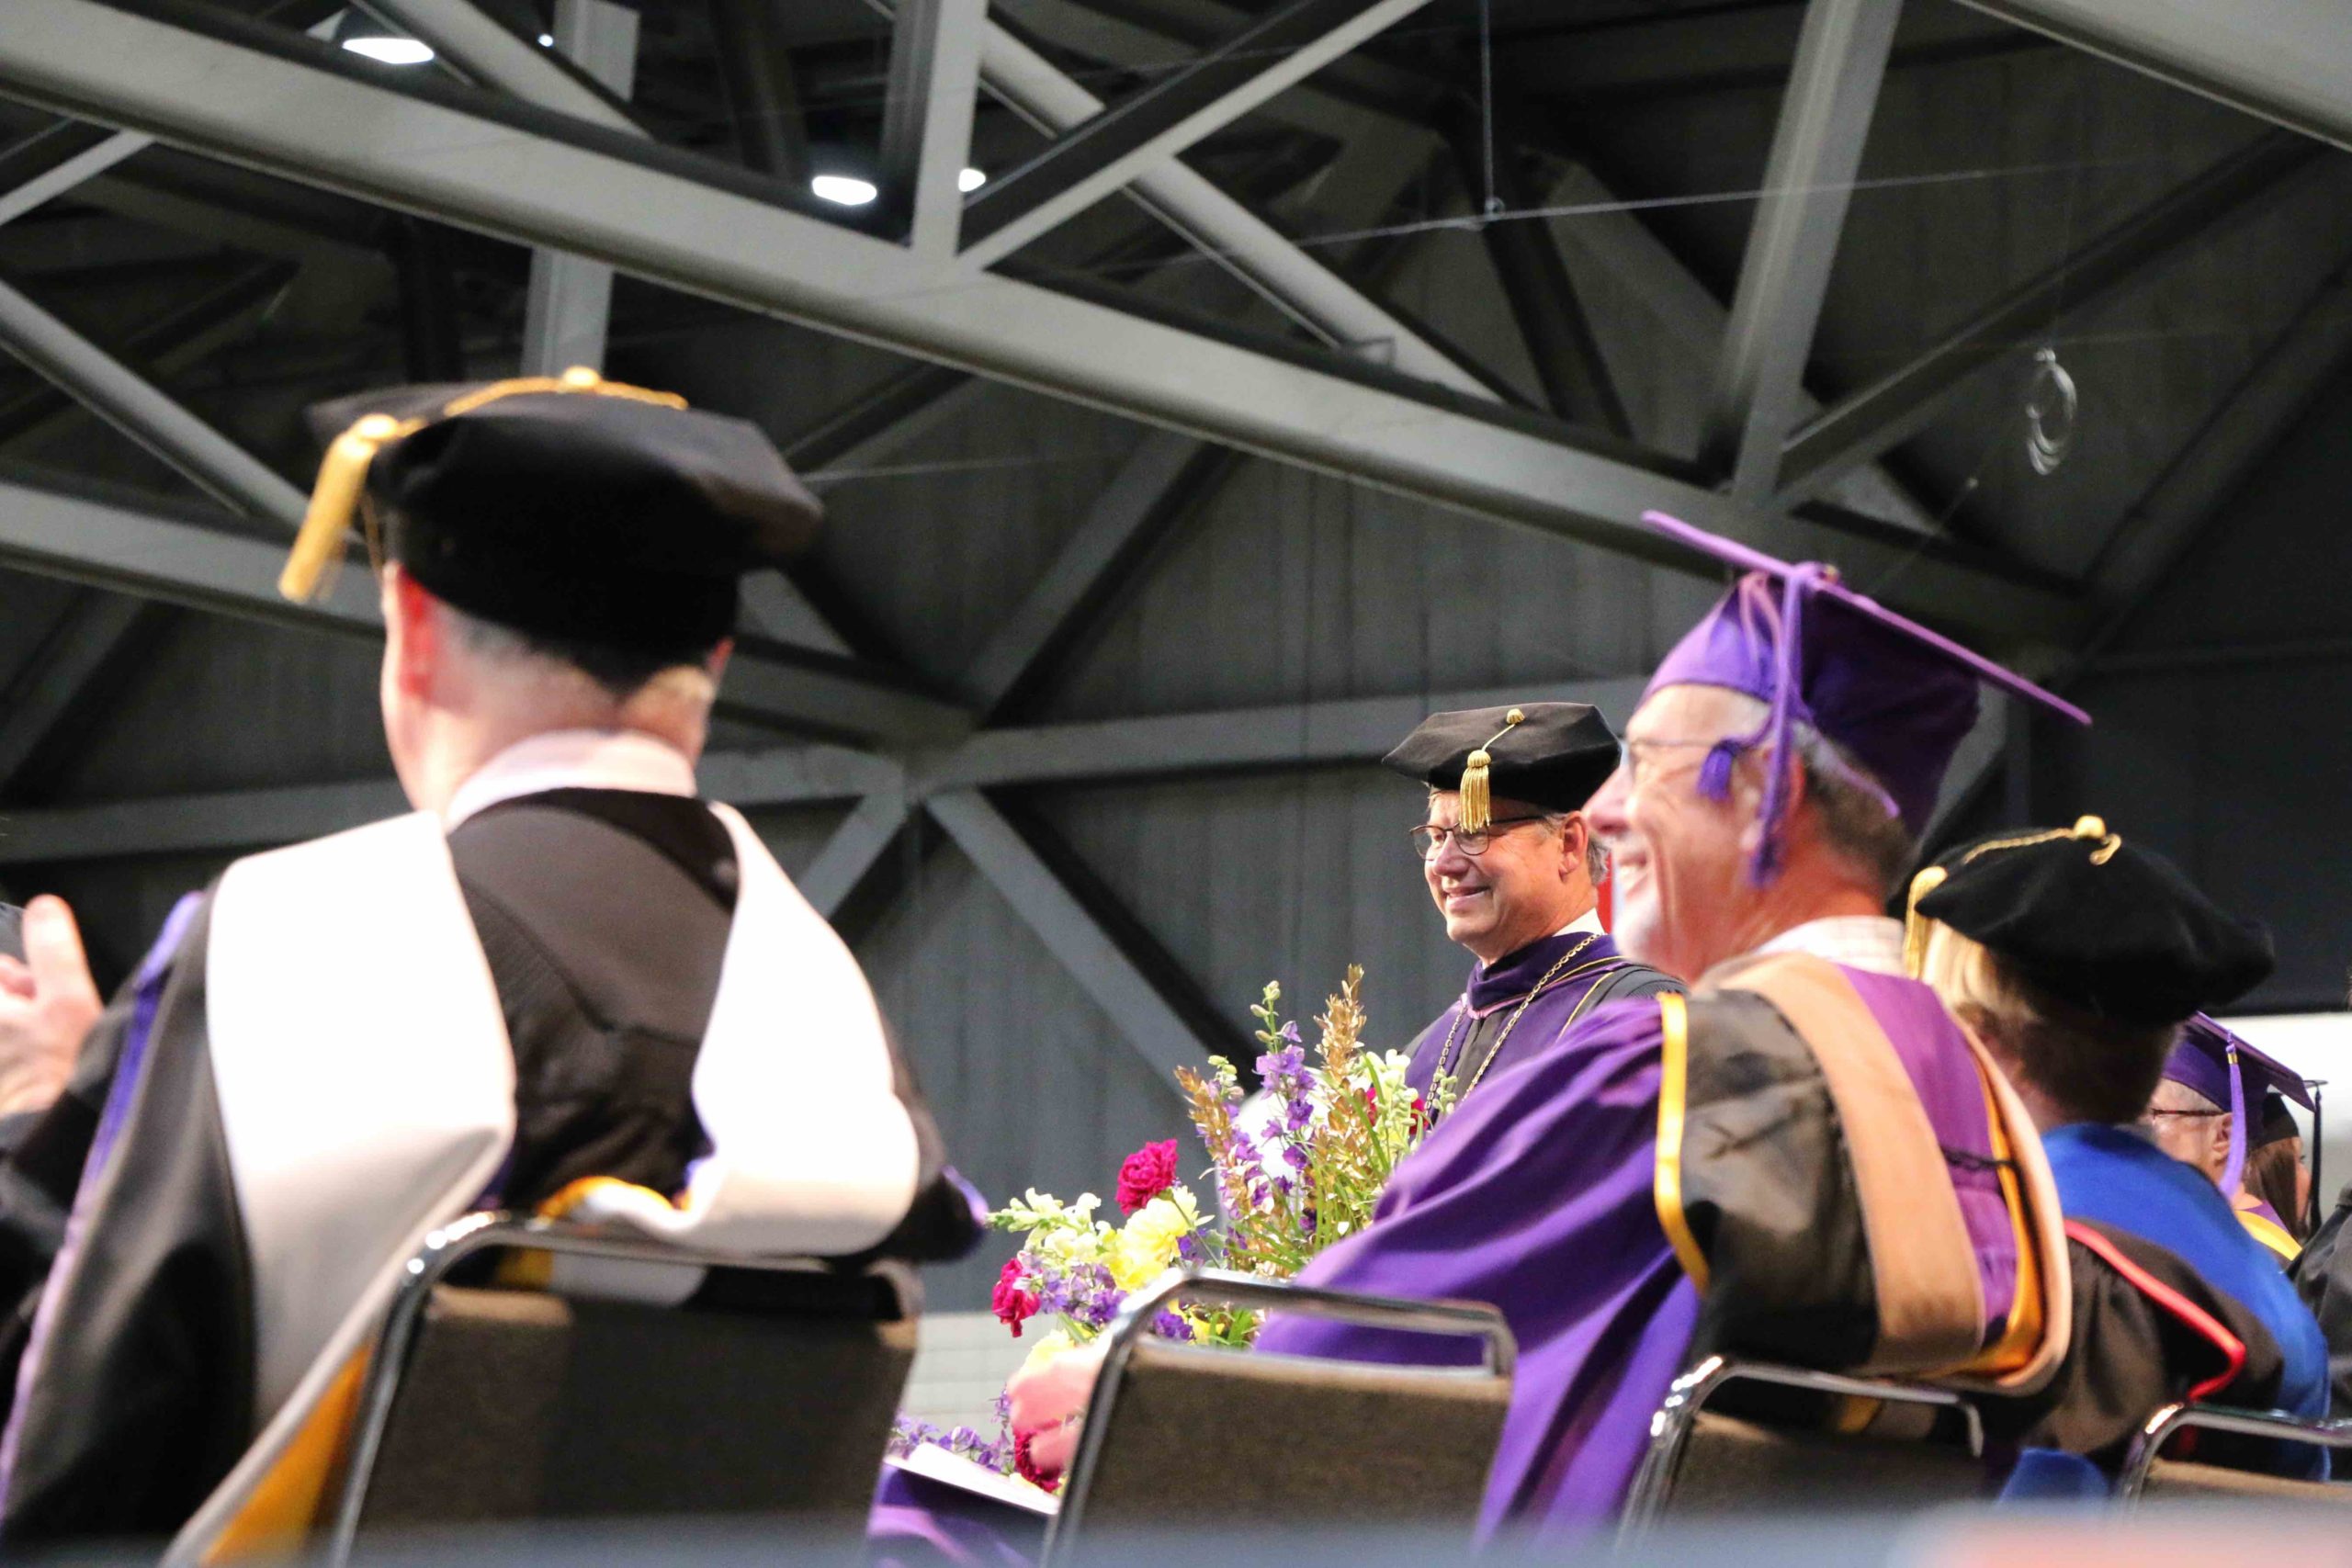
{"x": 1147, "y": 1245}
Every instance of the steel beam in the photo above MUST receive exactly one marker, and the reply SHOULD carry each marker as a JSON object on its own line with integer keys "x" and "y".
{"x": 927, "y": 118}
{"x": 273, "y": 104}
{"x": 1298, "y": 285}
{"x": 1136, "y": 1003}
{"x": 762, "y": 96}
{"x": 1288, "y": 735}
{"x": 483, "y": 48}
{"x": 1168, "y": 746}
{"x": 1149, "y": 38}
{"x": 136, "y": 547}
{"x": 567, "y": 310}
{"x": 852, "y": 852}
{"x": 2284, "y": 61}
{"x": 187, "y": 330}
{"x": 129, "y": 402}
{"x": 1808, "y": 179}
{"x": 1158, "y": 121}
{"x": 1879, "y": 417}
{"x": 1541, "y": 296}
{"x": 1157, "y": 479}
{"x": 48, "y": 690}
{"x": 83, "y": 152}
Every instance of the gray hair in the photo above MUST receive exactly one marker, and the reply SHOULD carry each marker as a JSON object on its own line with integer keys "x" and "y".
{"x": 616, "y": 675}
{"x": 1853, "y": 815}
{"x": 1852, "y": 811}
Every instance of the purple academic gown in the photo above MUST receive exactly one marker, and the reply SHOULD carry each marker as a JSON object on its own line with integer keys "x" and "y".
{"x": 1535, "y": 1196}
{"x": 1477, "y": 1021}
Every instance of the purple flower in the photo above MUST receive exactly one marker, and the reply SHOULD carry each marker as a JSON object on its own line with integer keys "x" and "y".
{"x": 1170, "y": 1326}
{"x": 1295, "y": 1157}
{"x": 1188, "y": 1247}
{"x": 1290, "y": 1033}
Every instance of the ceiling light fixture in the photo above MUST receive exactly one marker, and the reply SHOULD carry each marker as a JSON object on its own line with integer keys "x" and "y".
{"x": 843, "y": 189}
{"x": 971, "y": 179}
{"x": 385, "y": 45}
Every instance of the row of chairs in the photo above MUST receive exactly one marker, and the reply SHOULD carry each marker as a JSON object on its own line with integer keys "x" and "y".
{"x": 646, "y": 1382}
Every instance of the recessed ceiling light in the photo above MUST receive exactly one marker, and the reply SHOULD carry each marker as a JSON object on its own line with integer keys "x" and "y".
{"x": 971, "y": 179}
{"x": 843, "y": 189}
{"x": 390, "y": 49}
{"x": 546, "y": 40}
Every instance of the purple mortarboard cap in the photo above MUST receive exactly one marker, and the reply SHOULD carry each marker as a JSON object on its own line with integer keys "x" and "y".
{"x": 1896, "y": 696}
{"x": 2213, "y": 1061}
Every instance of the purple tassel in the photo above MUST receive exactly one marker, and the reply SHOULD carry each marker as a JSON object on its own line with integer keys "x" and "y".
{"x": 1715, "y": 773}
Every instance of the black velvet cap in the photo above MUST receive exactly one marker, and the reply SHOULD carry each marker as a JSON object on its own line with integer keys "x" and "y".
{"x": 2099, "y": 922}
{"x": 576, "y": 510}
{"x": 1555, "y": 757}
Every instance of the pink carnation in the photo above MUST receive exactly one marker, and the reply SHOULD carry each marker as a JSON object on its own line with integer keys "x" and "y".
{"x": 1148, "y": 1172}
{"x": 1013, "y": 1306}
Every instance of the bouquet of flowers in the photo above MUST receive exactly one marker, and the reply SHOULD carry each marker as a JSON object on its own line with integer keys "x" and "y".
{"x": 1292, "y": 1173}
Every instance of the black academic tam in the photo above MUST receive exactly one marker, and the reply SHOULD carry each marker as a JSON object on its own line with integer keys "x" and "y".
{"x": 2097, "y": 921}
{"x": 1553, "y": 755}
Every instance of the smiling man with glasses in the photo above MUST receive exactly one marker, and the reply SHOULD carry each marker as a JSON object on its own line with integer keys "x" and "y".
{"x": 1515, "y": 872}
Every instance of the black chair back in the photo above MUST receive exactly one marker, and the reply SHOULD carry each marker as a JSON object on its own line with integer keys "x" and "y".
{"x": 641, "y": 1382}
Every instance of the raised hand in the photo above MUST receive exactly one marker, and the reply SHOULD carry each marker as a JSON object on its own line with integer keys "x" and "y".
{"x": 47, "y": 1002}
{"x": 1049, "y": 1402}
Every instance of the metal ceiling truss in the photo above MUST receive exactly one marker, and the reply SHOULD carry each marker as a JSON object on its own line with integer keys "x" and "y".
{"x": 536, "y": 152}
{"x": 270, "y": 101}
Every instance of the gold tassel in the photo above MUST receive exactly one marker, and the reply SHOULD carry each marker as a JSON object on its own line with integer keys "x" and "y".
{"x": 318, "y": 548}
{"x": 1915, "y": 924}
{"x": 1477, "y": 788}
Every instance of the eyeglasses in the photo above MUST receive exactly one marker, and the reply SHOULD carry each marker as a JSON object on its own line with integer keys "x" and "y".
{"x": 1642, "y": 760}
{"x": 1428, "y": 838}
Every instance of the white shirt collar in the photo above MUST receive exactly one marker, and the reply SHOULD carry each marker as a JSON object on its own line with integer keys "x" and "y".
{"x": 573, "y": 759}
{"x": 1588, "y": 921}
{"x": 1869, "y": 942}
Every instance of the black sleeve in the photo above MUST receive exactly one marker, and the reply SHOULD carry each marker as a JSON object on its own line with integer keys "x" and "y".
{"x": 2323, "y": 1276}
{"x": 137, "y": 1391}
{"x": 41, "y": 1165}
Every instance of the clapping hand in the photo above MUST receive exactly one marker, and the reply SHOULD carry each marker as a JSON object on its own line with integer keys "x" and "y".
{"x": 47, "y": 1002}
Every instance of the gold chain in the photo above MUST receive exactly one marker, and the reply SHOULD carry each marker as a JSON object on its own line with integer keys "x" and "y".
{"x": 1445, "y": 1052}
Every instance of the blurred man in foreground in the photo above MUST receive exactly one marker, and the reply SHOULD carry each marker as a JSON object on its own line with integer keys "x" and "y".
{"x": 564, "y": 985}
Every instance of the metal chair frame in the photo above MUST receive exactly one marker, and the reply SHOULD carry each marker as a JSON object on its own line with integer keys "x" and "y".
{"x": 441, "y": 1251}
{"x": 1671, "y": 1428}
{"x": 2148, "y": 1446}
{"x": 1224, "y": 1287}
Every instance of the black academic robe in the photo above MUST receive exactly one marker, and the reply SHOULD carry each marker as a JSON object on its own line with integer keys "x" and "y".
{"x": 2323, "y": 1276}
{"x": 604, "y": 916}
{"x": 2149, "y": 1331}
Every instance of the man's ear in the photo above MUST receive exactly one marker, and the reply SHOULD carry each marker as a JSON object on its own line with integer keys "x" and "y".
{"x": 1575, "y": 840}
{"x": 419, "y": 632}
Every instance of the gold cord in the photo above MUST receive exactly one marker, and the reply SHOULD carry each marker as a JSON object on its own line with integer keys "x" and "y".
{"x": 1445, "y": 1052}
{"x": 343, "y": 476}
{"x": 1915, "y": 926}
